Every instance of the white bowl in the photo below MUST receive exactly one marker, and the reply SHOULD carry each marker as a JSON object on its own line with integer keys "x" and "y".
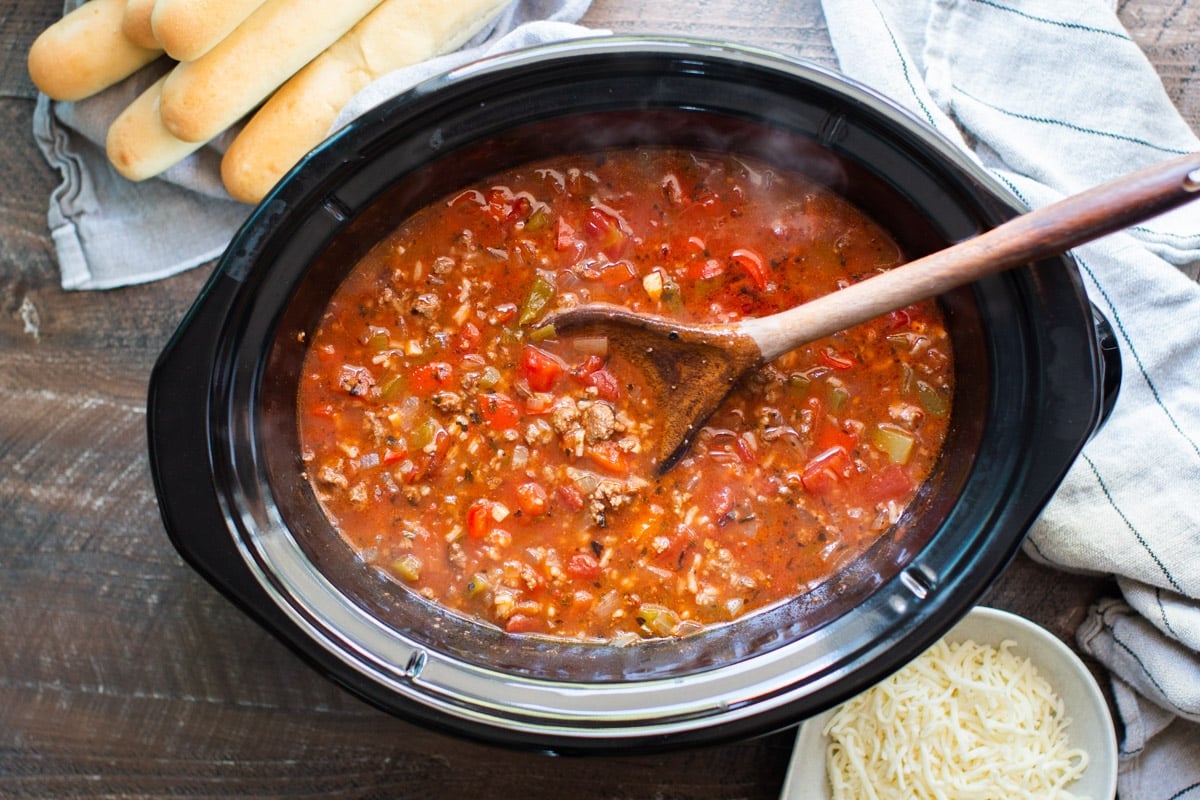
{"x": 1091, "y": 723}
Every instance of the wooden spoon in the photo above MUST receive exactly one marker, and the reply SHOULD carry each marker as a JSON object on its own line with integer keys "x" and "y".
{"x": 689, "y": 368}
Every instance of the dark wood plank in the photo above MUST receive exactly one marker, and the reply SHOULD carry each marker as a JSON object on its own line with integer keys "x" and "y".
{"x": 794, "y": 28}
{"x": 1167, "y": 32}
{"x": 20, "y": 22}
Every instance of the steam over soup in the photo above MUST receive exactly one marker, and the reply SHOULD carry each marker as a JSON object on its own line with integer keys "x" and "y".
{"x": 464, "y": 449}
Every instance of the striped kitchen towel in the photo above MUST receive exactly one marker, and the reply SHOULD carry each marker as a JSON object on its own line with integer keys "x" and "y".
{"x": 1053, "y": 98}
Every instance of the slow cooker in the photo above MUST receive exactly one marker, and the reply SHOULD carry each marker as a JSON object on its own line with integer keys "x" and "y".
{"x": 1036, "y": 374}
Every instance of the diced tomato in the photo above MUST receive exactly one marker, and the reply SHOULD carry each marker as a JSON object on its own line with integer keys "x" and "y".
{"x": 393, "y": 455}
{"x": 609, "y": 456}
{"x": 830, "y": 436}
{"x": 823, "y": 472}
{"x": 570, "y": 497}
{"x": 583, "y": 566}
{"x": 606, "y": 384}
{"x": 435, "y": 454}
{"x": 407, "y": 471}
{"x": 564, "y": 236}
{"x": 469, "y": 337}
{"x": 498, "y": 202}
{"x": 891, "y": 483}
{"x": 522, "y": 623}
{"x": 479, "y": 519}
{"x": 744, "y": 451}
{"x": 539, "y": 368}
{"x": 818, "y": 481}
{"x": 592, "y": 372}
{"x": 898, "y": 319}
{"x": 722, "y": 502}
{"x": 611, "y": 274}
{"x": 499, "y": 411}
{"x": 831, "y": 358}
{"x": 520, "y": 209}
{"x": 505, "y": 312}
{"x": 426, "y": 378}
{"x": 751, "y": 263}
{"x": 602, "y": 226}
{"x": 532, "y": 499}
{"x": 583, "y": 369}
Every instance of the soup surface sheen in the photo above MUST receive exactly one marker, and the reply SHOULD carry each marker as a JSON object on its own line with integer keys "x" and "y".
{"x": 467, "y": 452}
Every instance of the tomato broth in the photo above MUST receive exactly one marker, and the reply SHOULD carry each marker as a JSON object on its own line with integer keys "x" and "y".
{"x": 464, "y": 449}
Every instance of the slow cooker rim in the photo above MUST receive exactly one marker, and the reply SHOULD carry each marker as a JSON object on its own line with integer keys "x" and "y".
{"x": 282, "y": 198}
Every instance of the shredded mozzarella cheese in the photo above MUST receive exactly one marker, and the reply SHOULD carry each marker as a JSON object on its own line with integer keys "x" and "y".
{"x": 961, "y": 721}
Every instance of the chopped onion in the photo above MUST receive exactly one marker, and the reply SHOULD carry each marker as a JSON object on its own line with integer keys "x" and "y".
{"x": 653, "y": 284}
{"x": 520, "y": 456}
{"x": 591, "y": 345}
{"x": 607, "y": 604}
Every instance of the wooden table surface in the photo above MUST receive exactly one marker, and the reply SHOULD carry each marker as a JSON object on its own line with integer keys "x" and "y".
{"x": 124, "y": 674}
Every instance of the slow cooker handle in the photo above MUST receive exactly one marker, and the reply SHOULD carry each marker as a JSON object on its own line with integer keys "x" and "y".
{"x": 1110, "y": 366}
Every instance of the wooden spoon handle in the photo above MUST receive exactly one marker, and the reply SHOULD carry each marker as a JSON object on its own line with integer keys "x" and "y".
{"x": 1039, "y": 234}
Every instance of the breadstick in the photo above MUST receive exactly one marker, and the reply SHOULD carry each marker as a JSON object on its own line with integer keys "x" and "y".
{"x": 139, "y": 145}
{"x": 298, "y": 116}
{"x": 136, "y": 24}
{"x": 85, "y": 52}
{"x": 201, "y": 98}
{"x": 188, "y": 29}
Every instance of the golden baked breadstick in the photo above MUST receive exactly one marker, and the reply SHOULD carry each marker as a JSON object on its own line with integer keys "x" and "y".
{"x": 188, "y": 29}
{"x": 298, "y": 116}
{"x": 86, "y": 52}
{"x": 201, "y": 98}
{"x": 136, "y": 23}
{"x": 139, "y": 145}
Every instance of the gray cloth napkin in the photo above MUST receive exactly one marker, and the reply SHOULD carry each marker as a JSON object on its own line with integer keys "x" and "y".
{"x": 1053, "y": 98}
{"x": 109, "y": 232}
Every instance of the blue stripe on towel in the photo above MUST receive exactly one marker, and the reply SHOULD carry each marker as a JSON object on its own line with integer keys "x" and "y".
{"x": 1116, "y": 320}
{"x": 1071, "y": 125}
{"x": 1132, "y": 528}
{"x": 1162, "y": 613}
{"x": 904, "y": 67}
{"x": 1129, "y": 651}
{"x": 1071, "y": 25}
{"x": 1195, "y": 787}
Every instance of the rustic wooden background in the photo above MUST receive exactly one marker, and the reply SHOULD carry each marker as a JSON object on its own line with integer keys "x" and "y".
{"x": 123, "y": 674}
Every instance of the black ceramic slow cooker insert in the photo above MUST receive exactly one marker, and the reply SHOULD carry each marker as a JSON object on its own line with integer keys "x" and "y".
{"x": 1034, "y": 380}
